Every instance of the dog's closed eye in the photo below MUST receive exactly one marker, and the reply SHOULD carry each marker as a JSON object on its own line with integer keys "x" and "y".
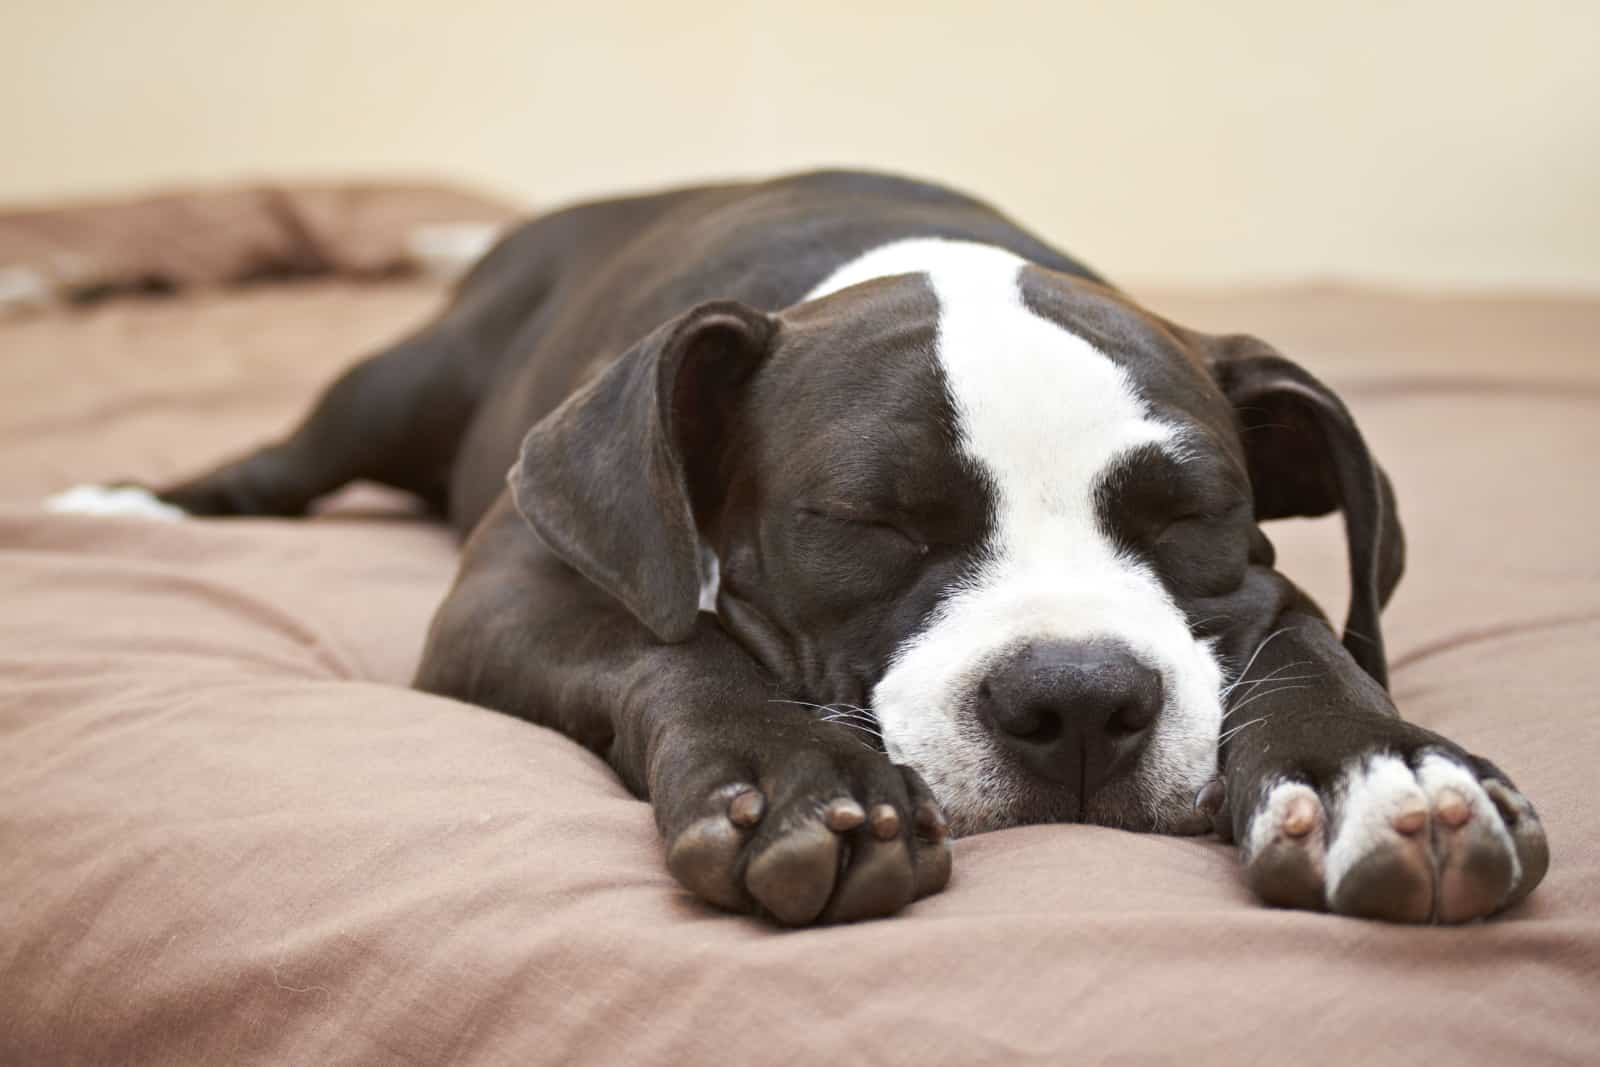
{"x": 876, "y": 523}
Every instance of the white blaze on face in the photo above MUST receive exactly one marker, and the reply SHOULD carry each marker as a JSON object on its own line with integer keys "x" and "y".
{"x": 1044, "y": 414}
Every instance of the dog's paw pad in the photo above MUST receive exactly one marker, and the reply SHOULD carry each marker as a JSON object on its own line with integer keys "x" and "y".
{"x": 1285, "y": 847}
{"x": 1405, "y": 841}
{"x": 794, "y": 875}
{"x": 1527, "y": 836}
{"x": 815, "y": 839}
{"x": 931, "y": 824}
{"x": 1477, "y": 859}
{"x": 704, "y": 857}
{"x": 1380, "y": 864}
{"x": 119, "y": 501}
{"x": 880, "y": 880}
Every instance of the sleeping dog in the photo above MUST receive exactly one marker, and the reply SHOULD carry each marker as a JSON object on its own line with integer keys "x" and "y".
{"x": 844, "y": 515}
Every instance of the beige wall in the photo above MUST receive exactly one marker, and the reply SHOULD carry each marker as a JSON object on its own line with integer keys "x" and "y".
{"x": 1429, "y": 142}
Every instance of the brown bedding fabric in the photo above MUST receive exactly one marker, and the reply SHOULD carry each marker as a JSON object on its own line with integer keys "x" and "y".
{"x": 212, "y": 237}
{"x": 228, "y": 834}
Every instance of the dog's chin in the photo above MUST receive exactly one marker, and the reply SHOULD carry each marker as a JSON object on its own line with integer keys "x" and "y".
{"x": 1130, "y": 805}
{"x": 1002, "y": 802}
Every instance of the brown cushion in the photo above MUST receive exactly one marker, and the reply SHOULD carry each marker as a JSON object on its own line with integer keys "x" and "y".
{"x": 208, "y": 237}
{"x": 228, "y": 834}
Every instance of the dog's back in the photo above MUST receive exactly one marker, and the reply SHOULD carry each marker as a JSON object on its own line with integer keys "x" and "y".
{"x": 566, "y": 293}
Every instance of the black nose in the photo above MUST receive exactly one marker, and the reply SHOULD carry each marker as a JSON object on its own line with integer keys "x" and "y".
{"x": 1074, "y": 712}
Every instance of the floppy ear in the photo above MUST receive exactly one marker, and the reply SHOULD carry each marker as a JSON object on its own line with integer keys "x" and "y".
{"x": 1306, "y": 457}
{"x": 611, "y": 479}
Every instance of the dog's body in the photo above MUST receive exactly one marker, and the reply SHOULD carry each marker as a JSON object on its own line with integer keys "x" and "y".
{"x": 842, "y": 460}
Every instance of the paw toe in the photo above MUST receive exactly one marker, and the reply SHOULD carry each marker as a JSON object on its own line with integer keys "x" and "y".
{"x": 1527, "y": 837}
{"x": 1380, "y": 863}
{"x": 1393, "y": 882}
{"x": 880, "y": 880}
{"x": 1475, "y": 855}
{"x": 1286, "y": 875}
{"x": 1413, "y": 836}
{"x": 1475, "y": 875}
{"x": 822, "y": 841}
{"x": 704, "y": 857}
{"x": 794, "y": 875}
{"x": 934, "y": 857}
{"x": 1285, "y": 847}
{"x": 935, "y": 860}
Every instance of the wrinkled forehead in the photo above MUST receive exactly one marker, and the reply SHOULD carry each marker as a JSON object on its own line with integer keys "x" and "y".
{"x": 928, "y": 351}
{"x": 1169, "y": 374}
{"x": 856, "y": 392}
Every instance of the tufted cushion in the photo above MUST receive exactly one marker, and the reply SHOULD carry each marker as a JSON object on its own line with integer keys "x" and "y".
{"x": 230, "y": 834}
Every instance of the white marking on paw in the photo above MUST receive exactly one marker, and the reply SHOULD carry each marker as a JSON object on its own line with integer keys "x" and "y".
{"x": 1267, "y": 825}
{"x": 1428, "y": 829}
{"x": 122, "y": 501}
{"x": 1437, "y": 772}
{"x": 1374, "y": 792}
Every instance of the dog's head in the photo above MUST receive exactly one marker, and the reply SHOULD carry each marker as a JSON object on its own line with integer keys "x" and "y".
{"x": 1008, "y": 511}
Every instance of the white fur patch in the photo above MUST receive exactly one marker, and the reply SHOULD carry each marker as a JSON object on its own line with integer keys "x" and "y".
{"x": 710, "y": 578}
{"x": 1436, "y": 773}
{"x": 1044, "y": 414}
{"x": 1365, "y": 801}
{"x": 127, "y": 500}
{"x": 1373, "y": 792}
{"x": 1266, "y": 827}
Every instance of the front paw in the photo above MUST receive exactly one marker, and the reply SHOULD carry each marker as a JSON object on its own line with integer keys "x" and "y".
{"x": 811, "y": 830}
{"x": 1425, "y": 836}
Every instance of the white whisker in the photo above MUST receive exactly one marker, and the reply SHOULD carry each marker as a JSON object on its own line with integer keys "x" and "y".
{"x": 853, "y": 726}
{"x": 1266, "y": 693}
{"x": 1242, "y": 680}
{"x": 1229, "y": 733}
{"x": 1264, "y": 642}
{"x": 1245, "y": 697}
{"x": 837, "y": 712}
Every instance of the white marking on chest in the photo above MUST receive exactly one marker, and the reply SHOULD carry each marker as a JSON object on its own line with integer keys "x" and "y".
{"x": 710, "y": 578}
{"x": 1045, "y": 415}
{"x": 127, "y": 500}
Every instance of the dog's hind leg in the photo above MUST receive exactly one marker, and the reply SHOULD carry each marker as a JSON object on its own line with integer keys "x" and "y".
{"x": 399, "y": 417}
{"x": 395, "y": 418}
